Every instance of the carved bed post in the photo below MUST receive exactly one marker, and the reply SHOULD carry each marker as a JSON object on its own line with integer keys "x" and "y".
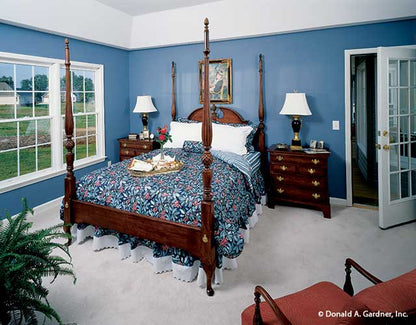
{"x": 207, "y": 206}
{"x": 69, "y": 144}
{"x": 262, "y": 142}
{"x": 173, "y": 107}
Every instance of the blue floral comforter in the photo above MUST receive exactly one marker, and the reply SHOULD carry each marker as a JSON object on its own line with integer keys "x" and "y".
{"x": 177, "y": 197}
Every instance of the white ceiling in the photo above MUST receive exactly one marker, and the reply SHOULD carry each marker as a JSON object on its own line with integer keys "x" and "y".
{"x": 141, "y": 7}
{"x": 139, "y": 24}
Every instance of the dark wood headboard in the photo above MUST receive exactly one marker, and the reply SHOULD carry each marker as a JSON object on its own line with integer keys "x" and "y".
{"x": 219, "y": 114}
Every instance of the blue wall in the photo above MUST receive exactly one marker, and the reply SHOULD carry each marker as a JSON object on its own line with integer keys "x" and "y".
{"x": 116, "y": 100}
{"x": 310, "y": 62}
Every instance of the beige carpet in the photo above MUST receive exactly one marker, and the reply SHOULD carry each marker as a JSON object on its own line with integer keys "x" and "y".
{"x": 289, "y": 249}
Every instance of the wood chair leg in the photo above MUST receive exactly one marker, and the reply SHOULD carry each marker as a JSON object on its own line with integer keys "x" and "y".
{"x": 257, "y": 320}
{"x": 348, "y": 284}
{"x": 209, "y": 271}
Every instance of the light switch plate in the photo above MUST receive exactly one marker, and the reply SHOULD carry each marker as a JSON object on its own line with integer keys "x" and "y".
{"x": 335, "y": 125}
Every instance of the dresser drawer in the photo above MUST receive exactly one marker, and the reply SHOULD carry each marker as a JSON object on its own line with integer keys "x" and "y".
{"x": 282, "y": 168}
{"x": 311, "y": 170}
{"x": 132, "y": 148}
{"x": 281, "y": 179}
{"x": 300, "y": 194}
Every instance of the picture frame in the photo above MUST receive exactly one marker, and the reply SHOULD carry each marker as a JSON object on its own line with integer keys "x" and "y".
{"x": 312, "y": 144}
{"x": 320, "y": 144}
{"x": 146, "y": 135}
{"x": 220, "y": 81}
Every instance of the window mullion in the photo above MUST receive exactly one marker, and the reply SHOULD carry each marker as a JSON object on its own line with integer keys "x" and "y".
{"x": 55, "y": 112}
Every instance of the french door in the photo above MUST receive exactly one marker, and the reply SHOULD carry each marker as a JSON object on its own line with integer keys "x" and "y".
{"x": 396, "y": 135}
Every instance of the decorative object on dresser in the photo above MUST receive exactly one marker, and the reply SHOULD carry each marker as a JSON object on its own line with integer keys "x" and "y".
{"x": 133, "y": 147}
{"x": 299, "y": 178}
{"x": 296, "y": 105}
{"x": 144, "y": 105}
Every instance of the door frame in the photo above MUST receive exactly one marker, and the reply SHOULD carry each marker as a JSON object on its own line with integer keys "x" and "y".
{"x": 347, "y": 73}
{"x": 348, "y": 157}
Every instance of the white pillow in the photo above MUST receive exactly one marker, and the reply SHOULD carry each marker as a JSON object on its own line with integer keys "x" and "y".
{"x": 230, "y": 138}
{"x": 183, "y": 131}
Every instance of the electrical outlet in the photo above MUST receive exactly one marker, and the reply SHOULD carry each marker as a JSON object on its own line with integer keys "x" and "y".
{"x": 335, "y": 125}
{"x": 109, "y": 163}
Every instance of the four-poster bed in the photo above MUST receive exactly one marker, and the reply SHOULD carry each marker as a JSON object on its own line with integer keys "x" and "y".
{"x": 197, "y": 239}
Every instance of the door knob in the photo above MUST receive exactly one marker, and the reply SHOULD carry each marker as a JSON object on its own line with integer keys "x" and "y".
{"x": 386, "y": 147}
{"x": 378, "y": 146}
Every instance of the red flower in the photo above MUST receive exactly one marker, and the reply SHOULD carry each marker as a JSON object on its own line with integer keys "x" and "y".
{"x": 162, "y": 137}
{"x": 164, "y": 130}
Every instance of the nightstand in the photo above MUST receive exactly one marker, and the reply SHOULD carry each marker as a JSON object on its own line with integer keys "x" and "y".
{"x": 132, "y": 148}
{"x": 299, "y": 178}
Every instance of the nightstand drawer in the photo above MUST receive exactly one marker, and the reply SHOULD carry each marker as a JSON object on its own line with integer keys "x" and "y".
{"x": 282, "y": 168}
{"x": 131, "y": 148}
{"x": 300, "y": 195}
{"x": 281, "y": 179}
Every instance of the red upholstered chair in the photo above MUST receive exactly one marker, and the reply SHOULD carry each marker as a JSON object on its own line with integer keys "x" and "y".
{"x": 390, "y": 302}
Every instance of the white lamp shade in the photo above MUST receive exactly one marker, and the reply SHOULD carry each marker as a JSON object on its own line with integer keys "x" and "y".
{"x": 295, "y": 104}
{"x": 144, "y": 105}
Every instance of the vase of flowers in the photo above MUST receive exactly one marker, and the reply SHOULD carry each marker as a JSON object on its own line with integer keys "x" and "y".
{"x": 163, "y": 137}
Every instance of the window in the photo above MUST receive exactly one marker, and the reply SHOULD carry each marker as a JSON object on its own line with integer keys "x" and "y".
{"x": 32, "y": 107}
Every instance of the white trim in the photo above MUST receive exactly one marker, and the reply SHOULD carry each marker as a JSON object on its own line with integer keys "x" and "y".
{"x": 58, "y": 166}
{"x": 338, "y": 201}
{"x": 47, "y": 206}
{"x": 9, "y": 185}
{"x": 348, "y": 160}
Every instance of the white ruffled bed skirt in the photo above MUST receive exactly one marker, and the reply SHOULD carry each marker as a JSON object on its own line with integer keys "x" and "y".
{"x": 164, "y": 264}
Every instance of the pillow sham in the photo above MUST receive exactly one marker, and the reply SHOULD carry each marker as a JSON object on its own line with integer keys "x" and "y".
{"x": 230, "y": 138}
{"x": 181, "y": 132}
{"x": 250, "y": 138}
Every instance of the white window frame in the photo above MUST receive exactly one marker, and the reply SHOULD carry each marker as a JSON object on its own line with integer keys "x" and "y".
{"x": 58, "y": 165}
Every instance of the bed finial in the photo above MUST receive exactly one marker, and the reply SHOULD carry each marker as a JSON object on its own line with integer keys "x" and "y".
{"x": 206, "y": 22}
{"x": 173, "y": 106}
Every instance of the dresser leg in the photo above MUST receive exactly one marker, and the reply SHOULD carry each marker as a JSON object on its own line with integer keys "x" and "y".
{"x": 327, "y": 211}
{"x": 270, "y": 203}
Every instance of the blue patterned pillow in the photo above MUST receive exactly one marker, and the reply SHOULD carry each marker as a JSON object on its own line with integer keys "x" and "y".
{"x": 193, "y": 146}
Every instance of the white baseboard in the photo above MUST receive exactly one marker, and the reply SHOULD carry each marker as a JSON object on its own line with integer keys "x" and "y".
{"x": 337, "y": 201}
{"x": 48, "y": 206}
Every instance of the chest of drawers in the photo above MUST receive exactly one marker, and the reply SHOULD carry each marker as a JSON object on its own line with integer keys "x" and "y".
{"x": 132, "y": 148}
{"x": 299, "y": 178}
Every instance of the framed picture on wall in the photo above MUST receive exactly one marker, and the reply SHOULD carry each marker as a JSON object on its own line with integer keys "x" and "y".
{"x": 220, "y": 81}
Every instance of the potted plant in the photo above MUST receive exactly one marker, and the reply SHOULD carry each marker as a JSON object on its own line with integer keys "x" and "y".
{"x": 25, "y": 258}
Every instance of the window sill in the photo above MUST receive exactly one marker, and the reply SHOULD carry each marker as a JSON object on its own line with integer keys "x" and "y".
{"x": 9, "y": 185}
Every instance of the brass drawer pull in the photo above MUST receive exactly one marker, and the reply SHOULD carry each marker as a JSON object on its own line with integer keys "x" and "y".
{"x": 280, "y": 158}
{"x": 145, "y": 147}
{"x": 283, "y": 167}
{"x": 280, "y": 190}
{"x": 315, "y": 161}
{"x": 316, "y": 183}
{"x": 126, "y": 152}
{"x": 280, "y": 178}
{"x": 311, "y": 171}
{"x": 316, "y": 196}
{"x": 124, "y": 144}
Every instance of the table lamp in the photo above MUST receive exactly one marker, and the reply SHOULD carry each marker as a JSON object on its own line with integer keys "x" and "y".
{"x": 144, "y": 106}
{"x": 296, "y": 105}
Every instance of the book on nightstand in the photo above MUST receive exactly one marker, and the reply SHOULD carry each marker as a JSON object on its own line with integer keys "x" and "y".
{"x": 315, "y": 150}
{"x": 133, "y": 136}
